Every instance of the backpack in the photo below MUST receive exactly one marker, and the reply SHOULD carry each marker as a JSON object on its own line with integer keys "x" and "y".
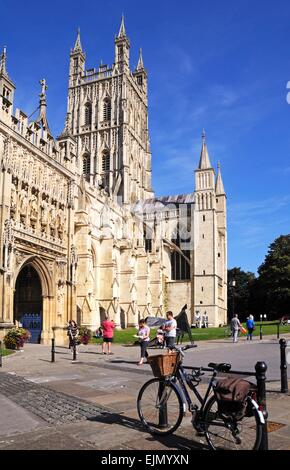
{"x": 231, "y": 394}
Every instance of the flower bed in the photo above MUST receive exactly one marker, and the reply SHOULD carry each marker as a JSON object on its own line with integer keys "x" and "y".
{"x": 85, "y": 335}
{"x": 16, "y": 338}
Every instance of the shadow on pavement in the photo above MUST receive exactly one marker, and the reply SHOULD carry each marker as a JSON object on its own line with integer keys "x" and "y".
{"x": 173, "y": 441}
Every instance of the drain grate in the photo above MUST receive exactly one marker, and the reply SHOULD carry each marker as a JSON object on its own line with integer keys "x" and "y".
{"x": 272, "y": 426}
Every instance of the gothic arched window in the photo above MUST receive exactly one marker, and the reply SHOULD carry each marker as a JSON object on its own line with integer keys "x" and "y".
{"x": 87, "y": 166}
{"x": 106, "y": 169}
{"x": 107, "y": 110}
{"x": 106, "y": 162}
{"x": 88, "y": 114}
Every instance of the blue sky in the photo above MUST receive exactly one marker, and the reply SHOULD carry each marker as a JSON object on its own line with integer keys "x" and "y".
{"x": 223, "y": 66}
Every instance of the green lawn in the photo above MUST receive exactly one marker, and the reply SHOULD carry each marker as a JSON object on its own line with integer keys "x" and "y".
{"x": 126, "y": 336}
{"x": 7, "y": 352}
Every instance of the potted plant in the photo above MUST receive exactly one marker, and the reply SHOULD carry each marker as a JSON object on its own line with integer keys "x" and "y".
{"x": 85, "y": 335}
{"x": 16, "y": 338}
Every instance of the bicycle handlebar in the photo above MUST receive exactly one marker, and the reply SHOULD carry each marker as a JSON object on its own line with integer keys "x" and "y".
{"x": 181, "y": 349}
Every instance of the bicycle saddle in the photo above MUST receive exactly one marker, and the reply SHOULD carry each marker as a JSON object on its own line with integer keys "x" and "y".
{"x": 223, "y": 367}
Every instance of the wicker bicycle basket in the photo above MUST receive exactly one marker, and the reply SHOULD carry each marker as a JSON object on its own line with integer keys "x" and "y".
{"x": 163, "y": 365}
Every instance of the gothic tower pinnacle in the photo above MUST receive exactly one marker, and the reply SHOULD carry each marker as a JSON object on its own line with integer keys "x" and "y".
{"x": 78, "y": 44}
{"x": 7, "y": 86}
{"x": 140, "y": 65}
{"x": 219, "y": 186}
{"x": 122, "y": 48}
{"x": 204, "y": 162}
{"x": 77, "y": 61}
{"x": 204, "y": 175}
{"x": 122, "y": 30}
{"x": 42, "y": 119}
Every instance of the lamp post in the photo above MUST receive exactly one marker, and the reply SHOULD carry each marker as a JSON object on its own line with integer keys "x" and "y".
{"x": 233, "y": 286}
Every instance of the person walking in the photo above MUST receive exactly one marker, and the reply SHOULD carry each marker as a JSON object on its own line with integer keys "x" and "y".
{"x": 235, "y": 328}
{"x": 144, "y": 338}
{"x": 170, "y": 327}
{"x": 73, "y": 332}
{"x": 108, "y": 327}
{"x": 250, "y": 327}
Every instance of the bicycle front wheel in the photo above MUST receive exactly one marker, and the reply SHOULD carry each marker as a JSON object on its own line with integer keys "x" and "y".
{"x": 223, "y": 434}
{"x": 160, "y": 407}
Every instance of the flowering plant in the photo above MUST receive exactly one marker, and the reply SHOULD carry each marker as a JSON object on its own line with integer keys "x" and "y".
{"x": 16, "y": 337}
{"x": 84, "y": 335}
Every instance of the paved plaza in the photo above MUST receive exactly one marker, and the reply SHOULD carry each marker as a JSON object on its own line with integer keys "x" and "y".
{"x": 91, "y": 404}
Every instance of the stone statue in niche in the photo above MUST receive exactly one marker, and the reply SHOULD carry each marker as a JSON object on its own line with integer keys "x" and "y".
{"x": 61, "y": 222}
{"x": 33, "y": 209}
{"x": 23, "y": 200}
{"x": 52, "y": 219}
{"x": 60, "y": 299}
{"x": 13, "y": 200}
{"x": 8, "y": 243}
{"x": 44, "y": 212}
{"x": 74, "y": 262}
{"x": 52, "y": 215}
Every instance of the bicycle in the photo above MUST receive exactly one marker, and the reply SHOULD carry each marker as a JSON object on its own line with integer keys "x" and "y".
{"x": 162, "y": 403}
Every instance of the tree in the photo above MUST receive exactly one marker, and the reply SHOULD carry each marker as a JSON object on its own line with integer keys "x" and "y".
{"x": 274, "y": 279}
{"x": 239, "y": 296}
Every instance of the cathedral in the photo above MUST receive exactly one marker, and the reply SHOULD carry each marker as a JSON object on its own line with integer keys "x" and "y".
{"x": 82, "y": 234}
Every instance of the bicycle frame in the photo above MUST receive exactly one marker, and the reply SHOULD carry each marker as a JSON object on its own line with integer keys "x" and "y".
{"x": 181, "y": 377}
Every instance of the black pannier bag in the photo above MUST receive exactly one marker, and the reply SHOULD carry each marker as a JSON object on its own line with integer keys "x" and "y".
{"x": 231, "y": 394}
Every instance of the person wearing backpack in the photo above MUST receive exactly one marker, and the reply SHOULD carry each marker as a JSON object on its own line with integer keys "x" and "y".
{"x": 250, "y": 327}
{"x": 235, "y": 328}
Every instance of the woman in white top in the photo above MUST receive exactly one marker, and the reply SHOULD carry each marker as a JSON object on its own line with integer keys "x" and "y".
{"x": 144, "y": 338}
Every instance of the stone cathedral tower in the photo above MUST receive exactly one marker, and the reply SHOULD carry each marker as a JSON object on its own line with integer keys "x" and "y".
{"x": 108, "y": 115}
{"x": 82, "y": 234}
{"x": 209, "y": 260}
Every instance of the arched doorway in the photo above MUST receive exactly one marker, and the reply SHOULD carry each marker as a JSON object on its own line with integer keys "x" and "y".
{"x": 28, "y": 302}
{"x": 123, "y": 319}
{"x": 103, "y": 314}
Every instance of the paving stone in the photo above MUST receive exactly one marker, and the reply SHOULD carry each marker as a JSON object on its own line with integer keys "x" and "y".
{"x": 53, "y": 407}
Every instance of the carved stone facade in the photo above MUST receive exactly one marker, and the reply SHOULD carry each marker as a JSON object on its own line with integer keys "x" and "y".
{"x": 80, "y": 211}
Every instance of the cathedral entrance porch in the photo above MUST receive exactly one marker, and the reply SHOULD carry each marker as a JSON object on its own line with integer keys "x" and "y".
{"x": 28, "y": 304}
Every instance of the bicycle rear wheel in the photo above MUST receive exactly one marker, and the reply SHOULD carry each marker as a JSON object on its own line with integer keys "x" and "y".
{"x": 221, "y": 434}
{"x": 160, "y": 407}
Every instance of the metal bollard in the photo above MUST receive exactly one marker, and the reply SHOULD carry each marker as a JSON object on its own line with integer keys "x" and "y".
{"x": 261, "y": 368}
{"x": 0, "y": 353}
{"x": 283, "y": 366}
{"x": 163, "y": 418}
{"x": 53, "y": 350}
{"x": 74, "y": 349}
{"x": 261, "y": 332}
{"x": 278, "y": 331}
